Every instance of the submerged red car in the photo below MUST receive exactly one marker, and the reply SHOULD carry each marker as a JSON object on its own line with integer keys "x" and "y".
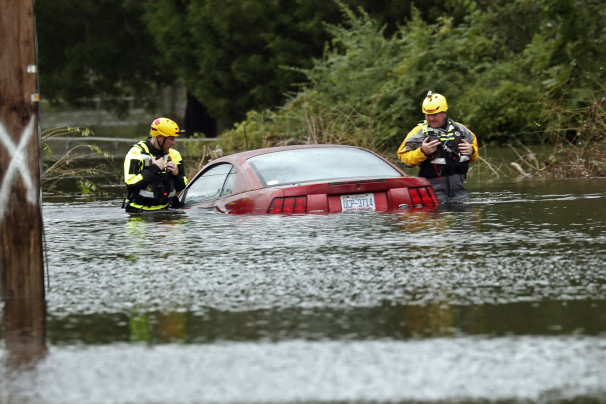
{"x": 305, "y": 179}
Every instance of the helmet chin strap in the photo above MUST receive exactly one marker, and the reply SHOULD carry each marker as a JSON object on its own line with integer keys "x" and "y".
{"x": 161, "y": 145}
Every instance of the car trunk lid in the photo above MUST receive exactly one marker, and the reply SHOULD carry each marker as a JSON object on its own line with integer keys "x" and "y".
{"x": 386, "y": 194}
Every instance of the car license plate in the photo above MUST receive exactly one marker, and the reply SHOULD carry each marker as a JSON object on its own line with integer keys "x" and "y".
{"x": 357, "y": 202}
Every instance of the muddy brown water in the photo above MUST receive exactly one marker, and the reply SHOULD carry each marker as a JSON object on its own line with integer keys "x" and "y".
{"x": 501, "y": 298}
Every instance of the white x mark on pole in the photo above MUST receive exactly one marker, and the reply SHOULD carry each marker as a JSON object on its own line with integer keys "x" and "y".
{"x": 18, "y": 165}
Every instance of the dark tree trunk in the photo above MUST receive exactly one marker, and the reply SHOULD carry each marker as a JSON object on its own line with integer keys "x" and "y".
{"x": 197, "y": 118}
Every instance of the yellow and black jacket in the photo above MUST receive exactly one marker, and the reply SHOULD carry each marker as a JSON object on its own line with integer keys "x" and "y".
{"x": 446, "y": 160}
{"x": 148, "y": 187}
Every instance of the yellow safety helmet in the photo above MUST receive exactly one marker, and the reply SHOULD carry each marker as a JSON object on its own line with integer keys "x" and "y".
{"x": 434, "y": 103}
{"x": 164, "y": 127}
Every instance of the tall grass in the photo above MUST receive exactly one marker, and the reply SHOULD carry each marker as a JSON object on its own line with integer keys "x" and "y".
{"x": 577, "y": 138}
{"x": 74, "y": 165}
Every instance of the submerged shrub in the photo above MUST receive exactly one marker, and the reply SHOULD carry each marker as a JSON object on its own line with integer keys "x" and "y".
{"x": 74, "y": 165}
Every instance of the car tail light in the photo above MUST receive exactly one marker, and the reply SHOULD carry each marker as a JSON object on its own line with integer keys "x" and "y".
{"x": 291, "y": 204}
{"x": 422, "y": 196}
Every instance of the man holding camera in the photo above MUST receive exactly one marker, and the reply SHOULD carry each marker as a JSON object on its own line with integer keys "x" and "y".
{"x": 442, "y": 148}
{"x": 153, "y": 170}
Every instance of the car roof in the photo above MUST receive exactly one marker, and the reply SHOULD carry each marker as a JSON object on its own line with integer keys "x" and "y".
{"x": 240, "y": 156}
{"x": 265, "y": 150}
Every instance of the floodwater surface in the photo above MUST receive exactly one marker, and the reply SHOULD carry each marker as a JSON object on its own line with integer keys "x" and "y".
{"x": 500, "y": 298}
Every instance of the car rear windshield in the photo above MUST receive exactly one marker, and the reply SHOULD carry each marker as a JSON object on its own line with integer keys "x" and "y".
{"x": 319, "y": 164}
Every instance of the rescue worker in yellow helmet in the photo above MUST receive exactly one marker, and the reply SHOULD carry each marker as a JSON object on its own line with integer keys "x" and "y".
{"x": 442, "y": 148}
{"x": 153, "y": 170}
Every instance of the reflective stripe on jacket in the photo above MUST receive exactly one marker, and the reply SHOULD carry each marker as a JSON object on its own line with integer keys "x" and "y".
{"x": 148, "y": 187}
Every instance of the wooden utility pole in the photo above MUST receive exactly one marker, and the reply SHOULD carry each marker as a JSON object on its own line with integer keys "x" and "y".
{"x": 21, "y": 258}
{"x": 21, "y": 263}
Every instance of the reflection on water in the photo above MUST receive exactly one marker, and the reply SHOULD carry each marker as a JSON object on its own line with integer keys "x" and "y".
{"x": 24, "y": 331}
{"x": 386, "y": 321}
{"x": 502, "y": 297}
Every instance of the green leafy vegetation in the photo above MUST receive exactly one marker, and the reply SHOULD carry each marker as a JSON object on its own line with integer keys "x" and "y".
{"x": 97, "y": 49}
{"x": 516, "y": 72}
{"x": 508, "y": 86}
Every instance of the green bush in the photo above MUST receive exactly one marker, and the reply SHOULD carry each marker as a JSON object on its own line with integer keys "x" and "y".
{"x": 503, "y": 70}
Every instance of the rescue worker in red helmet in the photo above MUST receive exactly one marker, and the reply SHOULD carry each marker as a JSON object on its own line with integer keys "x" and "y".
{"x": 442, "y": 148}
{"x": 153, "y": 170}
